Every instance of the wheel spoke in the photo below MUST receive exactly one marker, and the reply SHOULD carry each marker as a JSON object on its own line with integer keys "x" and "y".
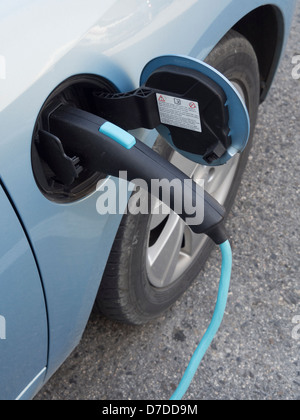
{"x": 193, "y": 242}
{"x": 159, "y": 213}
{"x": 163, "y": 255}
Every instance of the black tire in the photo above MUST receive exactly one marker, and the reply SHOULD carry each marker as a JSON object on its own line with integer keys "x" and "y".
{"x": 125, "y": 293}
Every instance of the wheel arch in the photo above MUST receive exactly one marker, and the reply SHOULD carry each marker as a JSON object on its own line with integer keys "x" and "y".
{"x": 264, "y": 28}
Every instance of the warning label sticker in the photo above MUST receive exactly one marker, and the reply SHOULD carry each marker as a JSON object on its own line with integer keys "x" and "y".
{"x": 179, "y": 112}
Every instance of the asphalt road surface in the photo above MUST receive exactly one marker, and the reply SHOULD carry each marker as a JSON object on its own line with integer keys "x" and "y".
{"x": 256, "y": 353}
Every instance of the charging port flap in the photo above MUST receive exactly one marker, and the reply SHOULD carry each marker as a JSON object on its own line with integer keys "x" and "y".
{"x": 204, "y": 117}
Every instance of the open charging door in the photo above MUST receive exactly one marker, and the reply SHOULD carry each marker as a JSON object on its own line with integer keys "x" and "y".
{"x": 203, "y": 101}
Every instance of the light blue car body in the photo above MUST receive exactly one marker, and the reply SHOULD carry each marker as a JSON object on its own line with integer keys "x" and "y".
{"x": 52, "y": 256}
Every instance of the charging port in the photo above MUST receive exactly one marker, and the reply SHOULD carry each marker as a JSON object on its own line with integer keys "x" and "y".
{"x": 58, "y": 171}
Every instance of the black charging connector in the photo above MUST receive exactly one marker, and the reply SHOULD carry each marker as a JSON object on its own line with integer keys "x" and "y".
{"x": 79, "y": 131}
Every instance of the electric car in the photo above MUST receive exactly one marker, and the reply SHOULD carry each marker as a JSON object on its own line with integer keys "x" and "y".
{"x": 59, "y": 257}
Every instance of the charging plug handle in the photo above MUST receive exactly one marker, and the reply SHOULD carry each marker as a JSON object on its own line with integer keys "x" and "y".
{"x": 83, "y": 134}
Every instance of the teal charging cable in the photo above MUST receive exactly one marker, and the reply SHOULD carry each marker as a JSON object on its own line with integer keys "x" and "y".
{"x": 214, "y": 325}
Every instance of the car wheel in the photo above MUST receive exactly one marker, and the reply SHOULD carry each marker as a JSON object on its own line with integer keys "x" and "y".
{"x": 155, "y": 258}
